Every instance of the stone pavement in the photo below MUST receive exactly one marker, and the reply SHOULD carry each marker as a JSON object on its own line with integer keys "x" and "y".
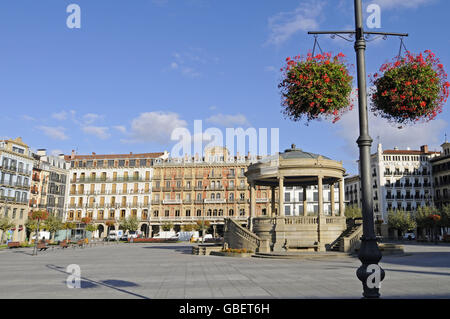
{"x": 170, "y": 271}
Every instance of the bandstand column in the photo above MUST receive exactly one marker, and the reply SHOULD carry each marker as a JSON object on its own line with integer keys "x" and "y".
{"x": 320, "y": 187}
{"x": 341, "y": 197}
{"x": 332, "y": 198}
{"x": 305, "y": 202}
{"x": 281, "y": 196}
{"x": 252, "y": 204}
{"x": 272, "y": 207}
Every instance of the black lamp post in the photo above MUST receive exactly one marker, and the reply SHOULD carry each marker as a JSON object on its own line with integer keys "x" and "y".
{"x": 370, "y": 273}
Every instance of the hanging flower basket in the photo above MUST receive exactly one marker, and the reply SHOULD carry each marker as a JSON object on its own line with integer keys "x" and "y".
{"x": 316, "y": 87}
{"x": 409, "y": 90}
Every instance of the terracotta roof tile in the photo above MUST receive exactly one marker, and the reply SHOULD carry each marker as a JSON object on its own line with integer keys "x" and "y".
{"x": 114, "y": 156}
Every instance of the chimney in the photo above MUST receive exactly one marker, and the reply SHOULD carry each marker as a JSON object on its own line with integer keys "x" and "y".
{"x": 73, "y": 154}
{"x": 93, "y": 153}
{"x": 424, "y": 148}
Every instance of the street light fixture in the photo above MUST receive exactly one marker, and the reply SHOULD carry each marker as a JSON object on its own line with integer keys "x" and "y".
{"x": 369, "y": 273}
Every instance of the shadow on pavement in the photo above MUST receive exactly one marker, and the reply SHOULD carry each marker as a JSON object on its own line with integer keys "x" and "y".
{"x": 182, "y": 249}
{"x": 110, "y": 283}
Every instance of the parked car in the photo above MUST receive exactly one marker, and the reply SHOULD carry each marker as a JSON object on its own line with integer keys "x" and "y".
{"x": 112, "y": 236}
{"x": 124, "y": 237}
{"x": 132, "y": 234}
{"x": 409, "y": 236}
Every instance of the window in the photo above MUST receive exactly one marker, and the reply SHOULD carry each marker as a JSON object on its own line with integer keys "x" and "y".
{"x": 188, "y": 212}
{"x": 242, "y": 212}
{"x": 199, "y": 196}
{"x": 142, "y": 162}
{"x": 132, "y": 163}
{"x": 199, "y": 212}
{"x": 155, "y": 213}
{"x": 231, "y": 212}
{"x": 166, "y": 213}
{"x": 110, "y": 163}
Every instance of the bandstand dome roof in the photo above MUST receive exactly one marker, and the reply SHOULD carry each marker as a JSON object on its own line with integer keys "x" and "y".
{"x": 297, "y": 167}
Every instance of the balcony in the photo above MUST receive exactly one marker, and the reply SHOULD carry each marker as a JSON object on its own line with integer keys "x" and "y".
{"x": 262, "y": 200}
{"x": 215, "y": 201}
{"x": 172, "y": 201}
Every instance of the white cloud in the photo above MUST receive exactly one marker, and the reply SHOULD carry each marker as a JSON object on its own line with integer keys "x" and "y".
{"x": 98, "y": 131}
{"x": 28, "y": 118}
{"x": 398, "y": 4}
{"x": 227, "y": 120}
{"x": 304, "y": 18}
{"x": 90, "y": 118}
{"x": 174, "y": 65}
{"x": 390, "y": 135}
{"x": 154, "y": 127}
{"x": 213, "y": 107}
{"x": 61, "y": 116}
{"x": 120, "y": 128}
{"x": 56, "y": 133}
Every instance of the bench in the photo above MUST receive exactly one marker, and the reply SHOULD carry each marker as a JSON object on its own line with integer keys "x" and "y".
{"x": 63, "y": 244}
{"x": 13, "y": 244}
{"x": 80, "y": 243}
{"x": 42, "y": 246}
{"x": 297, "y": 244}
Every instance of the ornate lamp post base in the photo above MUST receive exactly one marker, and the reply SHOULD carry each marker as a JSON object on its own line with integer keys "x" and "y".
{"x": 370, "y": 273}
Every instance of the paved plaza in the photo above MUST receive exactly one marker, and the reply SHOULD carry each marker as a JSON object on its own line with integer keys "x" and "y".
{"x": 170, "y": 271}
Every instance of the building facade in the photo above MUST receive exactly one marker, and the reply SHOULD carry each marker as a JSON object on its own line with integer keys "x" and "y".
{"x": 401, "y": 179}
{"x": 15, "y": 182}
{"x": 353, "y": 191}
{"x": 441, "y": 176}
{"x": 107, "y": 188}
{"x": 49, "y": 183}
{"x": 208, "y": 188}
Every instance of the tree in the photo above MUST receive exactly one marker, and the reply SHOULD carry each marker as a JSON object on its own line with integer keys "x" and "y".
{"x": 53, "y": 224}
{"x": 68, "y": 226}
{"x": 31, "y": 226}
{"x": 91, "y": 228}
{"x": 167, "y": 226}
{"x": 422, "y": 217}
{"x": 130, "y": 223}
{"x": 188, "y": 227}
{"x": 401, "y": 220}
{"x": 353, "y": 212}
{"x": 5, "y": 225}
{"x": 202, "y": 225}
{"x": 38, "y": 215}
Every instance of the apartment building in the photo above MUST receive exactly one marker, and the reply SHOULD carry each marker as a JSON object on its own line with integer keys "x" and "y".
{"x": 294, "y": 200}
{"x": 441, "y": 176}
{"x": 212, "y": 187}
{"x": 401, "y": 179}
{"x": 49, "y": 183}
{"x": 15, "y": 180}
{"x": 107, "y": 188}
{"x": 353, "y": 191}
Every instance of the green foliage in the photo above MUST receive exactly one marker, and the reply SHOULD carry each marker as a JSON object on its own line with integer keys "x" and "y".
{"x": 401, "y": 220}
{"x": 353, "y": 212}
{"x": 202, "y": 225}
{"x": 166, "y": 226}
{"x": 91, "y": 227}
{"x": 31, "y": 225}
{"x": 319, "y": 86}
{"x": 422, "y": 216}
{"x": 188, "y": 227}
{"x": 53, "y": 224}
{"x": 5, "y": 225}
{"x": 130, "y": 223}
{"x": 69, "y": 225}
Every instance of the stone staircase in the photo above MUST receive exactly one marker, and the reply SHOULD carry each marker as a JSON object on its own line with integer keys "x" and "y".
{"x": 349, "y": 240}
{"x": 238, "y": 237}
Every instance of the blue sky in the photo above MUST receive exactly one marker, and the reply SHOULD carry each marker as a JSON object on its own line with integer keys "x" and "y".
{"x": 137, "y": 69}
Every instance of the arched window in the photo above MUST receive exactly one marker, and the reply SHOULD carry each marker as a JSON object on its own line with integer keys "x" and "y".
{"x": 231, "y": 212}
{"x": 218, "y": 196}
{"x": 212, "y": 195}
{"x": 209, "y": 212}
{"x": 220, "y": 212}
{"x": 199, "y": 212}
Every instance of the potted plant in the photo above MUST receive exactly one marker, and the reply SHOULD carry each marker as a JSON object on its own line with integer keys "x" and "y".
{"x": 316, "y": 87}
{"x": 411, "y": 89}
